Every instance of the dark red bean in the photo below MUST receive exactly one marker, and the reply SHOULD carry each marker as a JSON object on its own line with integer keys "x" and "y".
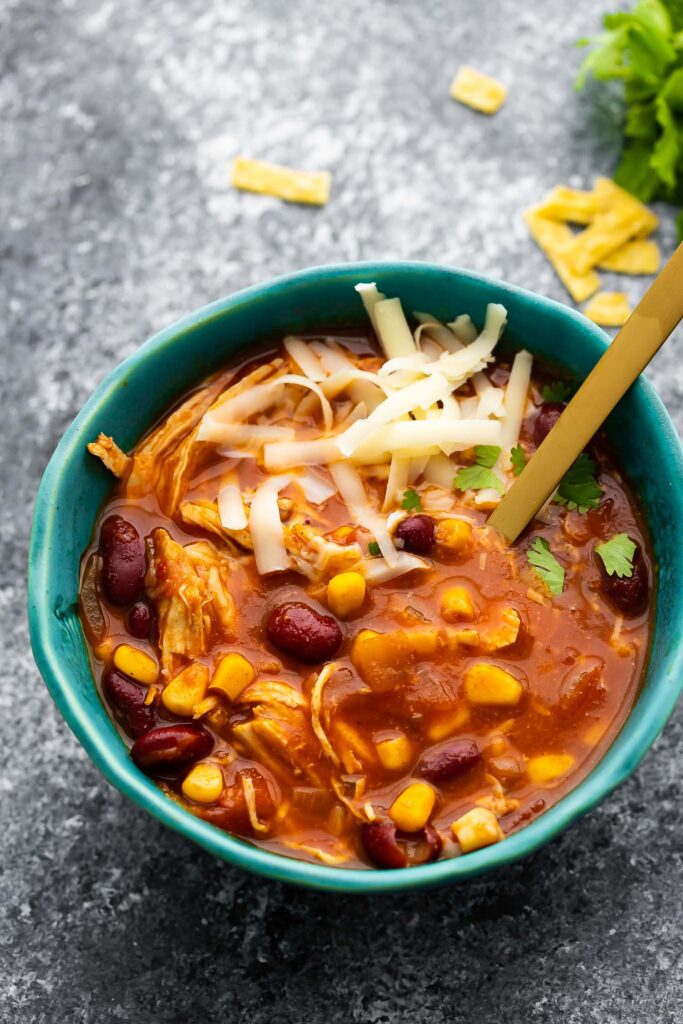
{"x": 627, "y": 594}
{"x": 582, "y": 687}
{"x": 417, "y": 533}
{"x": 389, "y": 848}
{"x": 139, "y": 620}
{"x": 448, "y": 760}
{"x": 303, "y": 632}
{"x": 123, "y": 561}
{"x": 171, "y": 746}
{"x": 128, "y": 700}
{"x": 548, "y": 415}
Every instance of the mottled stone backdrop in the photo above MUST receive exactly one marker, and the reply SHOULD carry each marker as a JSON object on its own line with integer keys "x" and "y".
{"x": 118, "y": 120}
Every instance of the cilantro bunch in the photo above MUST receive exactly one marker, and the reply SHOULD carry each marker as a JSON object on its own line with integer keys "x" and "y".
{"x": 643, "y": 48}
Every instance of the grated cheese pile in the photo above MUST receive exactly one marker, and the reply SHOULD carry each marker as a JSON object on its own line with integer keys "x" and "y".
{"x": 614, "y": 237}
{"x": 400, "y": 425}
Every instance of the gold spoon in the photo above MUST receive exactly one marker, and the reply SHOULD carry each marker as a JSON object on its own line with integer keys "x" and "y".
{"x": 649, "y": 325}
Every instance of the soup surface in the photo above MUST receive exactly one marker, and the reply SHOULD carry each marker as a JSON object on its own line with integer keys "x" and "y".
{"x": 301, "y": 622}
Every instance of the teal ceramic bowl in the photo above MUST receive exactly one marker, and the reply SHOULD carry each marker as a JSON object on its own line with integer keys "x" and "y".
{"x": 137, "y": 392}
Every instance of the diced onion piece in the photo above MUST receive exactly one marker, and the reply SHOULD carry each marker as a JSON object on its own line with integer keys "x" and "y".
{"x": 231, "y": 508}
{"x": 463, "y": 328}
{"x": 419, "y": 395}
{"x": 515, "y": 399}
{"x": 246, "y": 435}
{"x": 439, "y": 332}
{"x": 315, "y": 488}
{"x": 304, "y": 357}
{"x": 352, "y": 491}
{"x": 377, "y": 571}
{"x": 265, "y": 527}
{"x": 290, "y": 454}
{"x": 392, "y": 327}
{"x": 418, "y": 435}
{"x": 441, "y": 471}
{"x": 397, "y": 481}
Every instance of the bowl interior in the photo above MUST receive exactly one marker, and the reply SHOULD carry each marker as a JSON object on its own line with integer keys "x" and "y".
{"x": 138, "y": 391}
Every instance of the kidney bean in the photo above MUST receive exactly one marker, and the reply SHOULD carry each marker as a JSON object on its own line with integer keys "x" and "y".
{"x": 139, "y": 620}
{"x": 303, "y": 632}
{"x": 89, "y": 600}
{"x": 171, "y": 746}
{"x": 123, "y": 561}
{"x": 449, "y": 759}
{"x": 582, "y": 687}
{"x": 627, "y": 594}
{"x": 387, "y": 847}
{"x": 548, "y": 415}
{"x": 128, "y": 699}
{"x": 417, "y": 533}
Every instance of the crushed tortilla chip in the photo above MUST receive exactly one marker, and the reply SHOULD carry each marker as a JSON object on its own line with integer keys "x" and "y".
{"x": 621, "y": 217}
{"x": 609, "y": 309}
{"x": 641, "y": 256}
{"x": 553, "y": 237}
{"x": 569, "y": 204}
{"x": 282, "y": 182}
{"x": 478, "y": 91}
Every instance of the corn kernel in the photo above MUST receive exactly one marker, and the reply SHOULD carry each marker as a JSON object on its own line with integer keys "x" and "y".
{"x": 104, "y": 648}
{"x": 136, "y": 664}
{"x": 488, "y": 684}
{"x": 395, "y": 753}
{"x": 446, "y": 724}
{"x": 454, "y": 535}
{"x": 411, "y": 809}
{"x": 345, "y": 594}
{"x": 456, "y": 604}
{"x": 186, "y": 690}
{"x": 233, "y": 674}
{"x": 478, "y": 827}
{"x": 547, "y": 767}
{"x": 204, "y": 783}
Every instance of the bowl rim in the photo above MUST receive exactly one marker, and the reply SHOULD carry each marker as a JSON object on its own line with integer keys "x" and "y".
{"x": 620, "y": 760}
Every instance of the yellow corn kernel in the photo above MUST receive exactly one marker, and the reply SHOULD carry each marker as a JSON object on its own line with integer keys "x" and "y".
{"x": 345, "y": 594}
{"x": 478, "y": 827}
{"x": 136, "y": 664}
{"x": 547, "y": 767}
{"x": 488, "y": 684}
{"x": 456, "y": 603}
{"x": 395, "y": 753}
{"x": 411, "y": 808}
{"x": 454, "y": 536}
{"x": 204, "y": 783}
{"x": 447, "y": 724}
{"x": 233, "y": 674}
{"x": 186, "y": 690}
{"x": 506, "y": 632}
{"x": 104, "y": 648}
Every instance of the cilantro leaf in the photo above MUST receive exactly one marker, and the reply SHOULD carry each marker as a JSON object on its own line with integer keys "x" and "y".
{"x": 518, "y": 459}
{"x": 642, "y": 48}
{"x": 475, "y": 478}
{"x": 617, "y": 555}
{"x": 557, "y": 391}
{"x": 579, "y": 488}
{"x": 411, "y": 501}
{"x": 546, "y": 566}
{"x": 373, "y": 549}
{"x": 486, "y": 455}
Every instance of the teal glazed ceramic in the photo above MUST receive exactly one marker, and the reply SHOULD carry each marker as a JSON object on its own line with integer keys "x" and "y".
{"x": 139, "y": 390}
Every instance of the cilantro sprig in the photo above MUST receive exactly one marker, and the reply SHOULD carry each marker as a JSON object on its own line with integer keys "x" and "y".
{"x": 411, "y": 501}
{"x": 643, "y": 49}
{"x": 557, "y": 391}
{"x": 517, "y": 459}
{"x": 480, "y": 475}
{"x": 617, "y": 555}
{"x": 546, "y": 566}
{"x": 579, "y": 488}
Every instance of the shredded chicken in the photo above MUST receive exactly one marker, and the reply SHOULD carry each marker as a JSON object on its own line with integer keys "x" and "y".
{"x": 175, "y": 588}
{"x": 205, "y": 515}
{"x": 214, "y": 572}
{"x": 115, "y": 460}
{"x": 317, "y": 557}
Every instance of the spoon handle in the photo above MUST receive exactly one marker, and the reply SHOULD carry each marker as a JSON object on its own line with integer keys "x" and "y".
{"x": 649, "y": 325}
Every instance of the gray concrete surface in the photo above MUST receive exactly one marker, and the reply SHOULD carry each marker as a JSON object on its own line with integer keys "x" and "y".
{"x": 118, "y": 121}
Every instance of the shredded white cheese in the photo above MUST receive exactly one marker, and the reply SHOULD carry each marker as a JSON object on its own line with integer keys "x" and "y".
{"x": 305, "y": 358}
{"x": 231, "y": 508}
{"x": 265, "y": 527}
{"x": 392, "y": 327}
